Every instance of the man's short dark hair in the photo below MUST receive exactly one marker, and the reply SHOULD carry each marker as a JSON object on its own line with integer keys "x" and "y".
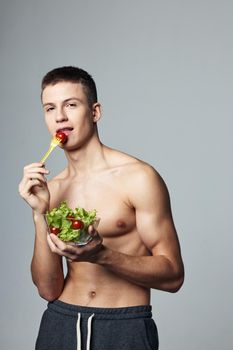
{"x": 73, "y": 75}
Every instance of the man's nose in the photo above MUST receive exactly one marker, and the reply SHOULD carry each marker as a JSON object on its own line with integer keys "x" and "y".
{"x": 61, "y": 115}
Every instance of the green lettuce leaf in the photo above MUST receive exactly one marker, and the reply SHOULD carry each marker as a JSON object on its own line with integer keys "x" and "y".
{"x": 57, "y": 217}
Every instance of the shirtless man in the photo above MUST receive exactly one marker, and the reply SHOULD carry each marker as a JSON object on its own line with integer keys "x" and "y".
{"x": 104, "y": 300}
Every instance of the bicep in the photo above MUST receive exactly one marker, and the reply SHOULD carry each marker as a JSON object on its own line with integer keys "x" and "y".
{"x": 154, "y": 217}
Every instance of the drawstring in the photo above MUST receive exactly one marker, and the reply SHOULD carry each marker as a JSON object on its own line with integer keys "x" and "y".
{"x": 89, "y": 331}
{"x": 78, "y": 329}
{"x": 78, "y": 332}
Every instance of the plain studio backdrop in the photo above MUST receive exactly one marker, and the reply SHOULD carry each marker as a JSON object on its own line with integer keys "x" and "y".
{"x": 164, "y": 74}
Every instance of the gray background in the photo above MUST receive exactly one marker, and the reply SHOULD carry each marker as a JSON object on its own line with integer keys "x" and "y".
{"x": 164, "y": 74}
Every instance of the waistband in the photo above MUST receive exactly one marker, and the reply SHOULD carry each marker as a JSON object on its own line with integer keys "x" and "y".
{"x": 141, "y": 311}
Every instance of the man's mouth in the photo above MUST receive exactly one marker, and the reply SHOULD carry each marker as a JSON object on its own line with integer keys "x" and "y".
{"x": 66, "y": 131}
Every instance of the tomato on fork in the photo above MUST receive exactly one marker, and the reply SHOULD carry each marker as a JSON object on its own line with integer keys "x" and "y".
{"x": 61, "y": 136}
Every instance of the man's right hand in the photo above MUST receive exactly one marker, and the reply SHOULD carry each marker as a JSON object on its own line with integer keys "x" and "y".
{"x": 33, "y": 187}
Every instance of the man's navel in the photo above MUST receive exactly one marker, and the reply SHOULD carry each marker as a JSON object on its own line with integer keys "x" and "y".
{"x": 92, "y": 294}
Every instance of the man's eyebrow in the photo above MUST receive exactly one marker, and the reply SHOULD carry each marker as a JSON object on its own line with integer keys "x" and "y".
{"x": 66, "y": 100}
{"x": 72, "y": 98}
{"x": 47, "y": 104}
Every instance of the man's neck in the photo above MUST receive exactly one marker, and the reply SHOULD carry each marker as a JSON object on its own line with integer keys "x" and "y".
{"x": 87, "y": 159}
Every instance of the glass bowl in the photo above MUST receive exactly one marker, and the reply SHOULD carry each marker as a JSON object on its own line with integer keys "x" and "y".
{"x": 80, "y": 235}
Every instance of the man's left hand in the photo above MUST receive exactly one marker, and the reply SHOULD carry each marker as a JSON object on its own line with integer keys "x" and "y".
{"x": 74, "y": 252}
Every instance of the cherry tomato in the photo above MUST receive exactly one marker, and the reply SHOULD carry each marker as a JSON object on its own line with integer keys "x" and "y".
{"x": 77, "y": 224}
{"x": 61, "y": 136}
{"x": 70, "y": 217}
{"x": 54, "y": 230}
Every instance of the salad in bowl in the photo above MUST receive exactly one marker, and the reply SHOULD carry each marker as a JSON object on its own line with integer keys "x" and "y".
{"x": 71, "y": 225}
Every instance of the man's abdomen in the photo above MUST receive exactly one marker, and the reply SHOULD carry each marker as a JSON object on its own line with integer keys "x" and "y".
{"x": 92, "y": 285}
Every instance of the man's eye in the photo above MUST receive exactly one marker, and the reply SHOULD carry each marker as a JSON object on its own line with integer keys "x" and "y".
{"x": 71, "y": 105}
{"x": 49, "y": 109}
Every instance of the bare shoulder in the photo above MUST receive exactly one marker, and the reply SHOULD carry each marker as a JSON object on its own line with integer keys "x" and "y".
{"x": 147, "y": 191}
{"x": 148, "y": 182}
{"x": 137, "y": 169}
{"x": 124, "y": 161}
{"x": 139, "y": 176}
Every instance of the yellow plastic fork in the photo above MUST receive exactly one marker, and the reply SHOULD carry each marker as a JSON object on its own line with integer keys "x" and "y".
{"x": 54, "y": 143}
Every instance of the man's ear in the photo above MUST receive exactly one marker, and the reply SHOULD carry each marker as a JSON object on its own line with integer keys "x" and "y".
{"x": 96, "y": 112}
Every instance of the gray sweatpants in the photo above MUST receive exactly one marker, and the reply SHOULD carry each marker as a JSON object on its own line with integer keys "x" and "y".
{"x": 71, "y": 327}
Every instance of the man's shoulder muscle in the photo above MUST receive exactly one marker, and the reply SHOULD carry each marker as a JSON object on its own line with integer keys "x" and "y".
{"x": 145, "y": 185}
{"x": 130, "y": 164}
{"x": 140, "y": 180}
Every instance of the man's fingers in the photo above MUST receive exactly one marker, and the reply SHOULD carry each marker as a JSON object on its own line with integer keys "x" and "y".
{"x": 50, "y": 242}
{"x": 37, "y": 170}
{"x": 38, "y": 176}
{"x": 24, "y": 189}
{"x": 54, "y": 248}
{"x": 60, "y": 248}
{"x": 34, "y": 171}
{"x": 56, "y": 241}
{"x": 33, "y": 165}
{"x": 74, "y": 252}
{"x": 92, "y": 231}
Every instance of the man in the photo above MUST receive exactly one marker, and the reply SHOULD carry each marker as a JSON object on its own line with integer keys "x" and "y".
{"x": 104, "y": 300}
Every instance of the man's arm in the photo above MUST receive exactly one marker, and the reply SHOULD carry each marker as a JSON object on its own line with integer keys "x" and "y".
{"x": 46, "y": 267}
{"x": 164, "y": 268}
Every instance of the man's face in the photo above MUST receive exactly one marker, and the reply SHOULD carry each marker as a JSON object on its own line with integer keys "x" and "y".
{"x": 66, "y": 109}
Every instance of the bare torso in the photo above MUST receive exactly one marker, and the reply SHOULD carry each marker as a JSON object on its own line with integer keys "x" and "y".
{"x": 106, "y": 190}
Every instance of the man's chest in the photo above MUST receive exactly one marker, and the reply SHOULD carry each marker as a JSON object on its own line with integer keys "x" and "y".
{"x": 109, "y": 198}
